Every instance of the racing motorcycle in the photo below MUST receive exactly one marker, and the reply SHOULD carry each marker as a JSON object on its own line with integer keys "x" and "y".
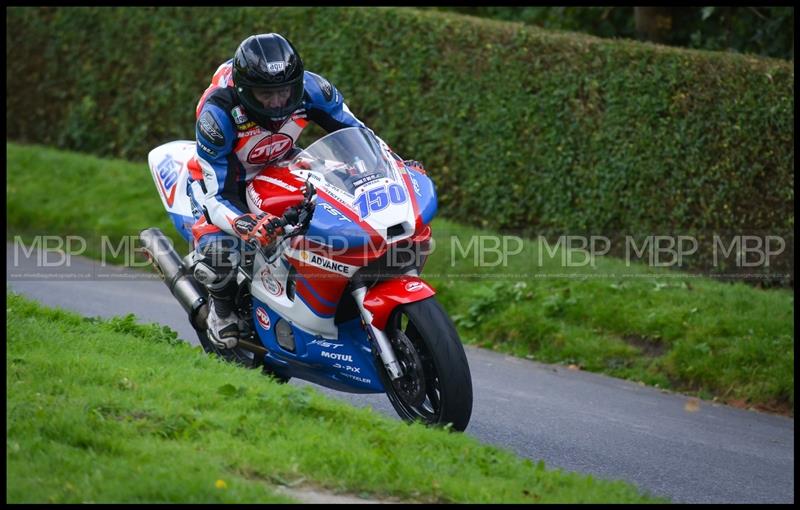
{"x": 336, "y": 298}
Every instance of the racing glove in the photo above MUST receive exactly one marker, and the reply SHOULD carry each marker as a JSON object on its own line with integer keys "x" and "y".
{"x": 261, "y": 229}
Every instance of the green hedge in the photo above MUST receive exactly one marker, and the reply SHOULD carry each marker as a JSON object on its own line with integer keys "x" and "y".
{"x": 521, "y": 128}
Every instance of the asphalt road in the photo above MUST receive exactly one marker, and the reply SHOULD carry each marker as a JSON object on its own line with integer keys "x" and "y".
{"x": 577, "y": 421}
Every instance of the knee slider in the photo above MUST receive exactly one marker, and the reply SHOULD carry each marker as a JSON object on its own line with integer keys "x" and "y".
{"x": 209, "y": 276}
{"x": 217, "y": 266}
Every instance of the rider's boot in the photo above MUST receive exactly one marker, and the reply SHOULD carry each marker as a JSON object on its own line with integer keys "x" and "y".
{"x": 223, "y": 322}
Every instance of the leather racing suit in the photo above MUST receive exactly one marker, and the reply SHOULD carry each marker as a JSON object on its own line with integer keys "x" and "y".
{"x": 231, "y": 151}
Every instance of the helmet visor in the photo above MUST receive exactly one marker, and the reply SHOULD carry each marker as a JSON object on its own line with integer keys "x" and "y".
{"x": 273, "y": 102}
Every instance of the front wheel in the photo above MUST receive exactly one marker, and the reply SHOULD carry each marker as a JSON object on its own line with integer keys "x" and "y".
{"x": 436, "y": 386}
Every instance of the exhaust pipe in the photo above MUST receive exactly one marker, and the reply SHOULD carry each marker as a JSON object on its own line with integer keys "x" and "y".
{"x": 190, "y": 294}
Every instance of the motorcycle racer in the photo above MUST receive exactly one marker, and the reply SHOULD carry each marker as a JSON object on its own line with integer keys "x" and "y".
{"x": 250, "y": 116}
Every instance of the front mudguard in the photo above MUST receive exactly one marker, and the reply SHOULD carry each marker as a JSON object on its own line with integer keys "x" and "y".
{"x": 384, "y": 297}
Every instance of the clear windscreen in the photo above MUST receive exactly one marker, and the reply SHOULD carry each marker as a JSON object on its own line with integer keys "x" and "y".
{"x": 347, "y": 159}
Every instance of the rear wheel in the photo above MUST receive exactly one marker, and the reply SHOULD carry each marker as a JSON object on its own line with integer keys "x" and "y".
{"x": 436, "y": 386}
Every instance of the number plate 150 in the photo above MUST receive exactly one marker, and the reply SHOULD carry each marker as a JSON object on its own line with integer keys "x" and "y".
{"x": 378, "y": 199}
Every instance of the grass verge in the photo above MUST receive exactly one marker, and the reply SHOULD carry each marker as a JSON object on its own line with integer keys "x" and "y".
{"x": 728, "y": 342}
{"x": 724, "y": 341}
{"x": 114, "y": 411}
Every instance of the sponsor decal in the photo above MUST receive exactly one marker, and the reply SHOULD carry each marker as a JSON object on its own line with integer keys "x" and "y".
{"x": 239, "y": 117}
{"x": 276, "y": 182}
{"x": 335, "y": 212}
{"x": 247, "y": 126}
{"x": 208, "y": 150}
{"x": 325, "y": 86}
{"x": 270, "y": 148}
{"x": 263, "y": 318}
{"x": 252, "y": 132}
{"x": 275, "y": 67}
{"x": 322, "y": 262}
{"x": 254, "y": 196}
{"x": 329, "y": 264}
{"x": 325, "y": 344}
{"x": 365, "y": 179}
{"x": 210, "y": 129}
{"x": 168, "y": 176}
{"x": 336, "y": 356}
{"x": 349, "y": 368}
{"x": 414, "y": 286}
{"x": 416, "y": 186}
{"x": 244, "y": 223}
{"x": 272, "y": 285}
{"x": 357, "y": 378}
{"x": 333, "y": 193}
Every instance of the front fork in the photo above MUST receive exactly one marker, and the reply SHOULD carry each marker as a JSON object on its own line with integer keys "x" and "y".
{"x": 381, "y": 340}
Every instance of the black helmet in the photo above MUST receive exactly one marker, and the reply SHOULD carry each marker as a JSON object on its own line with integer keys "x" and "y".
{"x": 268, "y": 76}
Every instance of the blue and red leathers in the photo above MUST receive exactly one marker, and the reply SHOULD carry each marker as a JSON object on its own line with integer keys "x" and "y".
{"x": 232, "y": 149}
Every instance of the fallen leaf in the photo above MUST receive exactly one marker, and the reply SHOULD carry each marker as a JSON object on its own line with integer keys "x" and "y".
{"x": 692, "y": 405}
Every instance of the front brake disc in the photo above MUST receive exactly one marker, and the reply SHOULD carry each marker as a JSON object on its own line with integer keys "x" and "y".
{"x": 411, "y": 386}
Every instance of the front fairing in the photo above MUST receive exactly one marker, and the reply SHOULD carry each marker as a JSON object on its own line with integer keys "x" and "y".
{"x": 365, "y": 194}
